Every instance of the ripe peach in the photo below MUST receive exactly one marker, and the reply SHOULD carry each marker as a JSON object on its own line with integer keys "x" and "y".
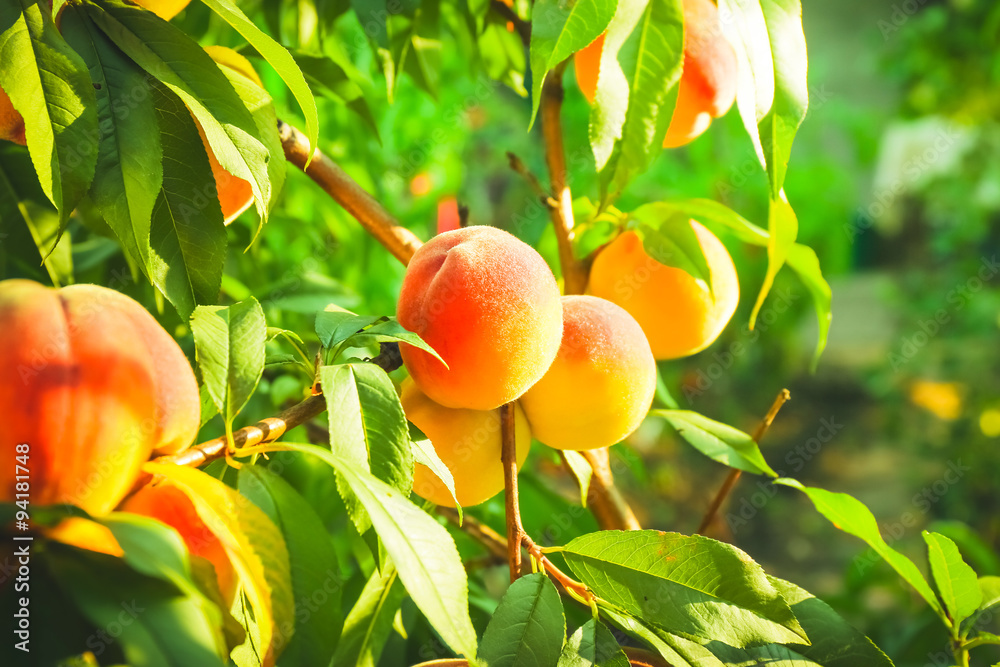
{"x": 601, "y": 384}
{"x": 707, "y": 87}
{"x": 489, "y": 305}
{"x": 92, "y": 386}
{"x": 11, "y": 122}
{"x": 165, "y": 9}
{"x": 168, "y": 504}
{"x": 468, "y": 443}
{"x": 678, "y": 314}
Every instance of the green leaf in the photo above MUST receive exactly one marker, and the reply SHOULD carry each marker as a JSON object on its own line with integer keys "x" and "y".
{"x": 652, "y": 57}
{"x": 175, "y": 59}
{"x": 608, "y": 111}
{"x": 528, "y": 627}
{"x": 229, "y": 342}
{"x": 256, "y": 549}
{"x": 956, "y": 582}
{"x": 802, "y": 259}
{"x": 560, "y": 29}
{"x": 835, "y": 643}
{"x": 334, "y": 325}
{"x": 159, "y": 624}
{"x": 367, "y": 424}
{"x": 418, "y": 46}
{"x": 670, "y": 239}
{"x": 438, "y": 585}
{"x": 129, "y": 160}
{"x": 369, "y": 622}
{"x": 334, "y": 79}
{"x": 690, "y": 586}
{"x": 676, "y": 651}
{"x": 48, "y": 83}
{"x": 187, "y": 235}
{"x": 276, "y": 56}
{"x": 592, "y": 645}
{"x": 18, "y": 184}
{"x": 851, "y": 516}
{"x": 783, "y": 227}
{"x": 990, "y": 586}
{"x": 391, "y": 331}
{"x": 708, "y": 211}
{"x": 791, "y": 88}
{"x": 317, "y": 582}
{"x": 718, "y": 441}
{"x": 425, "y": 454}
{"x": 581, "y": 470}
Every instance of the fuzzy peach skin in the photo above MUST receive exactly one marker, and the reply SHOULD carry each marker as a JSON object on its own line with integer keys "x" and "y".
{"x": 467, "y": 442}
{"x": 677, "y": 313}
{"x": 489, "y": 305}
{"x": 707, "y": 88}
{"x": 93, "y": 385}
{"x": 168, "y": 504}
{"x": 600, "y": 387}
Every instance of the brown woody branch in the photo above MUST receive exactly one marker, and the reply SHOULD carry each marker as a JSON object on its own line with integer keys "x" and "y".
{"x": 574, "y": 277}
{"x": 399, "y": 240}
{"x": 523, "y": 27}
{"x": 734, "y": 474}
{"x": 605, "y": 500}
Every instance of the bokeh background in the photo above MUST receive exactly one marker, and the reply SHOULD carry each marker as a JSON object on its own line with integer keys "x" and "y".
{"x": 895, "y": 177}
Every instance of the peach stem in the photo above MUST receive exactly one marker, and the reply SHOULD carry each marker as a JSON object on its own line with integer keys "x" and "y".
{"x": 508, "y": 455}
{"x": 734, "y": 474}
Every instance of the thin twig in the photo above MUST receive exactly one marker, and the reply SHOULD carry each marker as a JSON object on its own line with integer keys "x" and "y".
{"x": 399, "y": 240}
{"x": 508, "y": 454}
{"x": 605, "y": 500}
{"x": 574, "y": 278}
{"x": 734, "y": 474}
{"x": 518, "y": 166}
{"x": 523, "y": 27}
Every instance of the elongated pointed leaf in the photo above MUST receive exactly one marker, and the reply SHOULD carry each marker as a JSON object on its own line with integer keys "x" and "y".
{"x": 718, "y": 441}
{"x": 560, "y": 29}
{"x": 332, "y": 79}
{"x": 425, "y": 454}
{"x": 663, "y": 643}
{"x": 187, "y": 236}
{"x": 802, "y": 259}
{"x": 438, "y": 585}
{"x": 582, "y": 471}
{"x": 277, "y": 56}
{"x": 528, "y": 627}
{"x": 369, "y": 622}
{"x": 391, "y": 331}
{"x": 690, "y": 586}
{"x": 176, "y": 60}
{"x": 129, "y": 161}
{"x": 956, "y": 582}
{"x": 607, "y": 113}
{"x": 317, "y": 582}
{"x": 652, "y": 58}
{"x": 229, "y": 342}
{"x": 367, "y": 424}
{"x": 334, "y": 325}
{"x": 22, "y": 200}
{"x": 592, "y": 645}
{"x": 255, "y": 548}
{"x": 851, "y": 516}
{"x": 783, "y": 227}
{"x": 49, "y": 85}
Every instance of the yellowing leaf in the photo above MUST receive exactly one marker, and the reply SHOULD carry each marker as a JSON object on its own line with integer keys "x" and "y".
{"x": 255, "y": 547}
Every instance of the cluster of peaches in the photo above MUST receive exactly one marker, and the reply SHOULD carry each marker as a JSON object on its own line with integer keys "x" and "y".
{"x": 582, "y": 369}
